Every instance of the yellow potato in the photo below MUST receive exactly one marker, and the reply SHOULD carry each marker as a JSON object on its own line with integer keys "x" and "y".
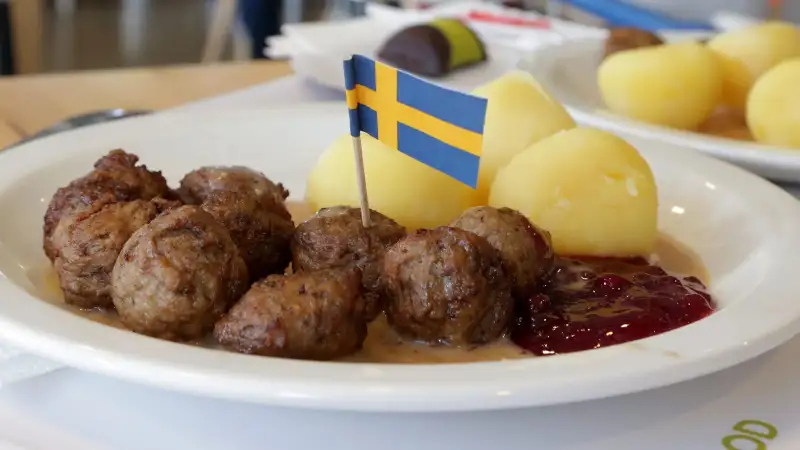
{"x": 747, "y": 53}
{"x": 773, "y": 107}
{"x": 408, "y": 191}
{"x": 675, "y": 85}
{"x": 590, "y": 189}
{"x": 520, "y": 113}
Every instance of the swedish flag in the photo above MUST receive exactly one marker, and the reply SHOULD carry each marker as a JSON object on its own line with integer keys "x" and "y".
{"x": 436, "y": 126}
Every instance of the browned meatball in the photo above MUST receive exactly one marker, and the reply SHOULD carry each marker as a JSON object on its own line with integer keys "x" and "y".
{"x": 620, "y": 39}
{"x": 197, "y": 185}
{"x": 262, "y": 235}
{"x": 335, "y": 237}
{"x": 526, "y": 250}
{"x": 177, "y": 275}
{"x": 89, "y": 242}
{"x": 115, "y": 178}
{"x": 446, "y": 285}
{"x": 316, "y": 315}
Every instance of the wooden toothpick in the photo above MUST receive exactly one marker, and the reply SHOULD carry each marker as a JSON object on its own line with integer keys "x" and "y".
{"x": 362, "y": 181}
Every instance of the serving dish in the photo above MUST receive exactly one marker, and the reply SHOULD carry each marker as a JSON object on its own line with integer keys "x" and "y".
{"x": 568, "y": 70}
{"x": 740, "y": 226}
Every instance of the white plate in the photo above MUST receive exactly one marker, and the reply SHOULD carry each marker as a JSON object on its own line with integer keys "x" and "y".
{"x": 321, "y": 48}
{"x": 743, "y": 228}
{"x": 568, "y": 71}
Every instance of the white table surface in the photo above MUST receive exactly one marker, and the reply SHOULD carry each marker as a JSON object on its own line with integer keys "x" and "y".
{"x": 69, "y": 409}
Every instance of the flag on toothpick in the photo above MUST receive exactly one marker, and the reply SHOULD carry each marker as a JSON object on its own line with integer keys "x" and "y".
{"x": 438, "y": 127}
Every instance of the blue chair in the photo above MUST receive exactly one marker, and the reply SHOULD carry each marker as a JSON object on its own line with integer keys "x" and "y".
{"x": 262, "y": 18}
{"x": 621, "y": 14}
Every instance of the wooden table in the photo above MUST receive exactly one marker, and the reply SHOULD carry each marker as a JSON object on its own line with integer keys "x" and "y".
{"x": 30, "y": 103}
{"x": 8, "y": 135}
{"x": 26, "y": 26}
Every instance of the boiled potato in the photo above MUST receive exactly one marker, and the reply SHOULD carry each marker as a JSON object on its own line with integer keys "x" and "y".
{"x": 748, "y": 52}
{"x": 398, "y": 186}
{"x": 676, "y": 85}
{"x": 519, "y": 113}
{"x": 773, "y": 107}
{"x": 590, "y": 189}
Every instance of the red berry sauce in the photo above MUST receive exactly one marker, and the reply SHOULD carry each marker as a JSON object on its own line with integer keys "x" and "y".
{"x": 596, "y": 302}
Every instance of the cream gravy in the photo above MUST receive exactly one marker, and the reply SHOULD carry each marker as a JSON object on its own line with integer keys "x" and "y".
{"x": 383, "y": 345}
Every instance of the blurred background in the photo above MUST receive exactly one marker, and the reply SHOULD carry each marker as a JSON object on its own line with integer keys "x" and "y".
{"x": 71, "y": 63}
{"x": 45, "y": 36}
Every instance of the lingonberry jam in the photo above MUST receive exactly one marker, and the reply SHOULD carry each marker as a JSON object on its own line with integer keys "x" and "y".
{"x": 596, "y": 302}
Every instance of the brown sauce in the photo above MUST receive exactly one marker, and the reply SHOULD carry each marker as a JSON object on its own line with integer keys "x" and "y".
{"x": 383, "y": 345}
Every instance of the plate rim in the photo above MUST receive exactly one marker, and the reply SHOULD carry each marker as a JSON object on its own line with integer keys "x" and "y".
{"x": 371, "y": 387}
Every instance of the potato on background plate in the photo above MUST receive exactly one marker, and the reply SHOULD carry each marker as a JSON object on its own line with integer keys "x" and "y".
{"x": 773, "y": 107}
{"x": 675, "y": 85}
{"x": 747, "y": 53}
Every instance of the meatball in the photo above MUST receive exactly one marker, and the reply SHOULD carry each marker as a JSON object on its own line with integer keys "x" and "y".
{"x": 526, "y": 250}
{"x": 115, "y": 178}
{"x": 620, "y": 39}
{"x": 197, "y": 185}
{"x": 446, "y": 285}
{"x": 89, "y": 242}
{"x": 316, "y": 315}
{"x": 262, "y": 235}
{"x": 177, "y": 275}
{"x": 335, "y": 237}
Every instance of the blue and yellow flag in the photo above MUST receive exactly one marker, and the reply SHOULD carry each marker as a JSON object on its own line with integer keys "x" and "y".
{"x": 436, "y": 126}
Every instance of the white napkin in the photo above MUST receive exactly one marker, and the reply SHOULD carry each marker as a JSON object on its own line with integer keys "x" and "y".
{"x": 279, "y": 47}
